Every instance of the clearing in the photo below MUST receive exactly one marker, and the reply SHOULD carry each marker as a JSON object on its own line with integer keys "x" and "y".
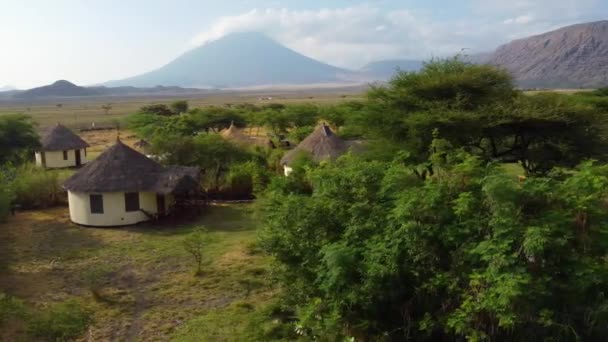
{"x": 148, "y": 290}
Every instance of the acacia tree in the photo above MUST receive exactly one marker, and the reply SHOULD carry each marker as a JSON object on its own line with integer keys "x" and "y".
{"x": 179, "y": 107}
{"x": 372, "y": 251}
{"x": 478, "y": 108}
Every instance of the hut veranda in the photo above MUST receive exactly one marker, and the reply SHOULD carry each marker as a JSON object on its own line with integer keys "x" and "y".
{"x": 61, "y": 148}
{"x": 124, "y": 187}
{"x": 322, "y": 144}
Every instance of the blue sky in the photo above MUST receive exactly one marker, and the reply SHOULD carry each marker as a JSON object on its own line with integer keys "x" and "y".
{"x": 94, "y": 41}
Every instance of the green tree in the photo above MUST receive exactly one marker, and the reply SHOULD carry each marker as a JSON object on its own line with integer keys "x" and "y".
{"x": 179, "y": 107}
{"x": 18, "y": 138}
{"x": 157, "y": 109}
{"x": 214, "y": 119}
{"x": 372, "y": 251}
{"x": 477, "y": 108}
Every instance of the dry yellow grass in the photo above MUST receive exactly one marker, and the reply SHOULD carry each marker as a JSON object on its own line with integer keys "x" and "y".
{"x": 149, "y": 291}
{"x": 81, "y": 112}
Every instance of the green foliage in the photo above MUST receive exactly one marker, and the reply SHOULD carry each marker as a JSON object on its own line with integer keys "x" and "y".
{"x": 195, "y": 244}
{"x": 7, "y": 193}
{"x": 157, "y": 109}
{"x": 214, "y": 119}
{"x": 179, "y": 107}
{"x": 10, "y": 308}
{"x": 60, "y": 322}
{"x": 373, "y": 251}
{"x": 18, "y": 139}
{"x": 146, "y": 124}
{"x": 300, "y": 133}
{"x": 35, "y": 187}
{"x": 477, "y": 108}
{"x": 245, "y": 179}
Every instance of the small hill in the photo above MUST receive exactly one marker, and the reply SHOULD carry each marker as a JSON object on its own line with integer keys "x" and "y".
{"x": 384, "y": 70}
{"x": 570, "y": 57}
{"x": 239, "y": 60}
{"x": 61, "y": 88}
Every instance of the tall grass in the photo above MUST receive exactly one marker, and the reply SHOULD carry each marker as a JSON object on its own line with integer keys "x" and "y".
{"x": 35, "y": 187}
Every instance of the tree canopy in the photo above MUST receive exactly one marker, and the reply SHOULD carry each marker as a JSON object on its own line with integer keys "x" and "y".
{"x": 371, "y": 251}
{"x": 18, "y": 138}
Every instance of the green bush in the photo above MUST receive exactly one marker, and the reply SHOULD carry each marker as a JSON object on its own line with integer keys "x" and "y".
{"x": 10, "y": 308}
{"x": 300, "y": 133}
{"x": 6, "y": 195}
{"x": 38, "y": 188}
{"x": 60, "y": 322}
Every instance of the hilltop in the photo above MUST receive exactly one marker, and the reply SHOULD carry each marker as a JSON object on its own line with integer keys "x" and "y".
{"x": 573, "y": 56}
{"x": 239, "y": 60}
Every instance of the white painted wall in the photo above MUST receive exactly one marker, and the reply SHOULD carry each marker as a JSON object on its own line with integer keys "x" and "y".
{"x": 114, "y": 209}
{"x": 54, "y": 159}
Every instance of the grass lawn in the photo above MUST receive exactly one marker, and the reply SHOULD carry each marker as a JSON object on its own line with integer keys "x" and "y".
{"x": 147, "y": 291}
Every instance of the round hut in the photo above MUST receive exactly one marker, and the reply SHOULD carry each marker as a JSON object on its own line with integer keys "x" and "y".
{"x": 123, "y": 187}
{"x": 322, "y": 144}
{"x": 60, "y": 148}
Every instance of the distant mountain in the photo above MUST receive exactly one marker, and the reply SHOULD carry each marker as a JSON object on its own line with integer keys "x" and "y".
{"x": 61, "y": 88}
{"x": 7, "y": 88}
{"x": 570, "y": 57}
{"x": 64, "y": 88}
{"x": 384, "y": 70}
{"x": 239, "y": 60}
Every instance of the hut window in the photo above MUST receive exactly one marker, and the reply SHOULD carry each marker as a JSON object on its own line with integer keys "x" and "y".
{"x": 65, "y": 155}
{"x": 96, "y": 204}
{"x": 131, "y": 201}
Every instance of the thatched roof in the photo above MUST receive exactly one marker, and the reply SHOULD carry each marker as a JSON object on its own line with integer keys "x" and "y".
{"x": 321, "y": 144}
{"x": 234, "y": 134}
{"x": 121, "y": 168}
{"x": 60, "y": 138}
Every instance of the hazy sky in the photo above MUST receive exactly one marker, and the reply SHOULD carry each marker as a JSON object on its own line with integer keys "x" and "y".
{"x": 93, "y": 41}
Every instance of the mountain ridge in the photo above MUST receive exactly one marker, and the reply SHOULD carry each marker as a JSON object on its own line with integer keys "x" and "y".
{"x": 238, "y": 60}
{"x": 570, "y": 57}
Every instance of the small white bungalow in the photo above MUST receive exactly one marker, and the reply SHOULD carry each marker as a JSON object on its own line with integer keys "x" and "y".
{"x": 123, "y": 187}
{"x": 61, "y": 148}
{"x": 322, "y": 144}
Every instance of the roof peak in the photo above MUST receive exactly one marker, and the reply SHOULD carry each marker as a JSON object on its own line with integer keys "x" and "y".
{"x": 59, "y": 137}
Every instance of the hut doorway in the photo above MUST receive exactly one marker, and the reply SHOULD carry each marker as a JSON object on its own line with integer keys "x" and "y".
{"x": 78, "y": 161}
{"x": 160, "y": 204}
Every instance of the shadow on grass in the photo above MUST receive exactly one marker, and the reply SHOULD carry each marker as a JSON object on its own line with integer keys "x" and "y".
{"x": 32, "y": 236}
{"x": 216, "y": 218}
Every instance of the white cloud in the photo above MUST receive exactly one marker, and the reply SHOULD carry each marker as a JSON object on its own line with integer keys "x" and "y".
{"x": 353, "y": 36}
{"x": 522, "y": 19}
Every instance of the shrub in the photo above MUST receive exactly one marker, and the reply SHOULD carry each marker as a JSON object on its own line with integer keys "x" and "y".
{"x": 38, "y": 188}
{"x": 195, "y": 244}
{"x": 10, "y": 307}
{"x": 6, "y": 195}
{"x": 60, "y": 322}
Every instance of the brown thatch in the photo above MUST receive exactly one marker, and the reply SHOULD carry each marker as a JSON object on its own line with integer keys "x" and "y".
{"x": 321, "y": 144}
{"x": 121, "y": 168}
{"x": 237, "y": 136}
{"x": 60, "y": 138}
